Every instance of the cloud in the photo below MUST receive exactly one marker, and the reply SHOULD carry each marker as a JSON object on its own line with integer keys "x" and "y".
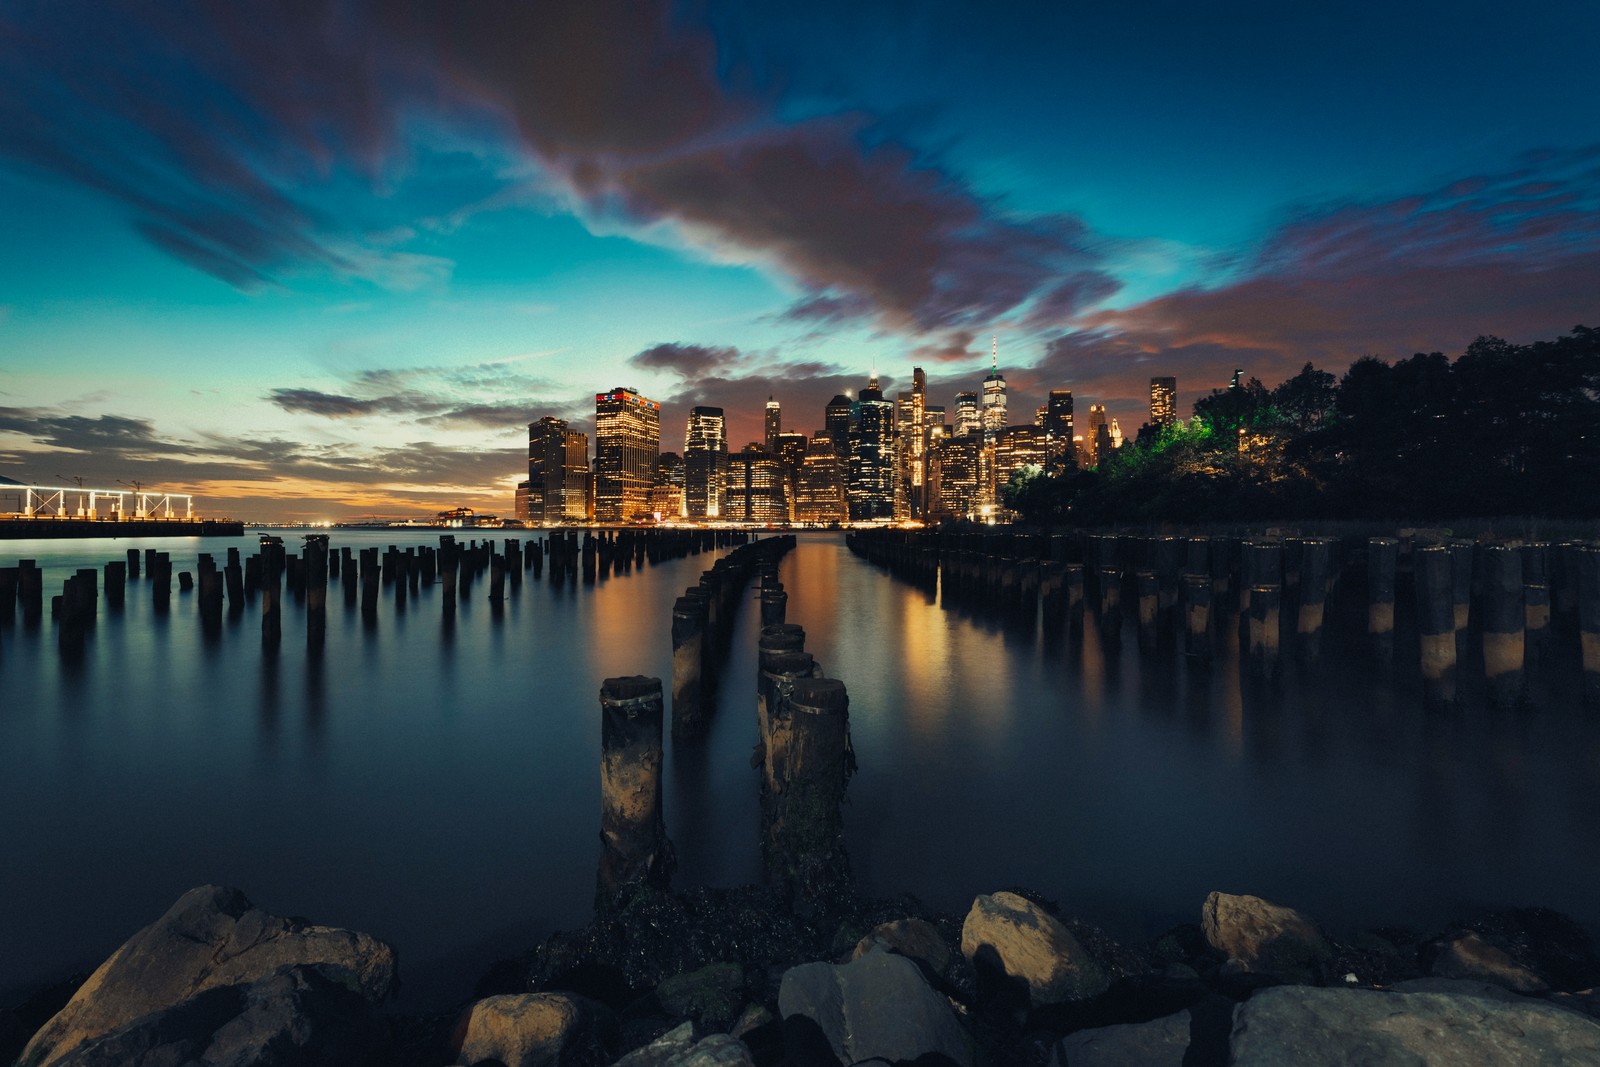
{"x": 490, "y": 395}
{"x": 688, "y": 361}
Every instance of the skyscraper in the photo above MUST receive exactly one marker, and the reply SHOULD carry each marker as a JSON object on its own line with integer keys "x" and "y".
{"x": 911, "y": 428}
{"x": 968, "y": 420}
{"x": 953, "y": 476}
{"x": 792, "y": 451}
{"x": 755, "y": 487}
{"x": 1090, "y": 454}
{"x": 872, "y": 457}
{"x": 994, "y": 396}
{"x": 558, "y": 472}
{"x": 1163, "y": 401}
{"x": 705, "y": 463}
{"x": 774, "y": 425}
{"x": 627, "y": 440}
{"x": 1017, "y": 447}
{"x": 666, "y": 496}
{"x": 820, "y": 488}
{"x": 838, "y": 420}
{"x": 1059, "y": 452}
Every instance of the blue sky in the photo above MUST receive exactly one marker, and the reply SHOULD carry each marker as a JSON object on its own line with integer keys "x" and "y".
{"x": 328, "y": 258}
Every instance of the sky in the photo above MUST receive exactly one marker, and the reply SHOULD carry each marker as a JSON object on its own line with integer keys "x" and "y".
{"x": 315, "y": 259}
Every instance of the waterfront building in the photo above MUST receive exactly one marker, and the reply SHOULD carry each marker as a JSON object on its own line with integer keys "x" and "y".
{"x": 792, "y": 452}
{"x": 953, "y": 476}
{"x": 558, "y": 472}
{"x": 839, "y": 419}
{"x": 1017, "y": 447}
{"x": 820, "y": 488}
{"x": 705, "y": 463}
{"x": 1058, "y": 438}
{"x": 1163, "y": 402}
{"x": 755, "y": 491}
{"x": 627, "y": 440}
{"x": 872, "y": 457}
{"x": 666, "y": 495}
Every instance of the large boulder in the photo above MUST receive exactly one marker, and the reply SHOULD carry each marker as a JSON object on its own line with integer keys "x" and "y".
{"x": 878, "y": 1006}
{"x": 913, "y": 938}
{"x": 299, "y": 1017}
{"x": 1468, "y": 955}
{"x": 1159, "y": 1043}
{"x": 678, "y": 1048}
{"x": 1310, "y": 1027}
{"x": 1264, "y": 938}
{"x": 525, "y": 1030}
{"x": 211, "y": 938}
{"x": 1015, "y": 939}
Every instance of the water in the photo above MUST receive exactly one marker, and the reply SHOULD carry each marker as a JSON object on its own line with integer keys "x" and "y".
{"x": 441, "y": 790}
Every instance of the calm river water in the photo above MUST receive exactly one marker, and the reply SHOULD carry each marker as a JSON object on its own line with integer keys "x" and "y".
{"x": 442, "y": 791}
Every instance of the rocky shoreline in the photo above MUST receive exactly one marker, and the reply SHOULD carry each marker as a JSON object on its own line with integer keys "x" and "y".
{"x": 712, "y": 977}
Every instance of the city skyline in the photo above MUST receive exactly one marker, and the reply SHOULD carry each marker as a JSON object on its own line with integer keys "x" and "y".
{"x": 334, "y": 269}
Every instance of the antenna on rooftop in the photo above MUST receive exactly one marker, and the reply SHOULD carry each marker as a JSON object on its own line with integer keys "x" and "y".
{"x": 994, "y": 352}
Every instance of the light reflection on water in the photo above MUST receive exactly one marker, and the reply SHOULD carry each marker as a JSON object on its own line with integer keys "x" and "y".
{"x": 438, "y": 786}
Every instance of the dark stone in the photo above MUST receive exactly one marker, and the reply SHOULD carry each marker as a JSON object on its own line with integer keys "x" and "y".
{"x": 879, "y": 1006}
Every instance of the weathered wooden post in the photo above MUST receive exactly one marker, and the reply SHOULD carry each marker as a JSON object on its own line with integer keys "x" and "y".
{"x": 1436, "y": 623}
{"x": 1265, "y": 629}
{"x": 133, "y": 564}
{"x": 316, "y": 566}
{"x": 634, "y": 850}
{"x": 807, "y": 831}
{"x": 1382, "y": 555}
{"x": 160, "y": 581}
{"x": 1110, "y": 607}
{"x": 271, "y": 595}
{"x": 1315, "y": 555}
{"x": 1463, "y": 554}
{"x": 1073, "y": 576}
{"x": 1536, "y": 601}
{"x": 370, "y": 582}
{"x": 497, "y": 579}
{"x": 1504, "y": 618}
{"x": 1146, "y": 586}
{"x": 30, "y": 589}
{"x": 774, "y": 606}
{"x": 688, "y": 658}
{"x": 233, "y": 579}
{"x": 116, "y": 586}
{"x": 68, "y": 611}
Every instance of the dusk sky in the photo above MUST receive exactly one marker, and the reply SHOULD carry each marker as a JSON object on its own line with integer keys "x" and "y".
{"x": 315, "y": 259}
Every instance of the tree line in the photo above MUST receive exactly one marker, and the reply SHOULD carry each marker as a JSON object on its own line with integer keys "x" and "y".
{"x": 1504, "y": 429}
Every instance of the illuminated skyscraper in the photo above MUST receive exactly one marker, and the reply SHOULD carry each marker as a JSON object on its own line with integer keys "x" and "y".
{"x": 755, "y": 487}
{"x": 558, "y": 472}
{"x": 627, "y": 440}
{"x": 838, "y": 420}
{"x": 792, "y": 452}
{"x": 1089, "y": 455}
{"x": 666, "y": 496}
{"x": 1017, "y": 447}
{"x": 1059, "y": 451}
{"x": 820, "y": 488}
{"x": 953, "y": 476}
{"x": 994, "y": 396}
{"x": 911, "y": 429}
{"x": 968, "y": 419}
{"x": 1163, "y": 401}
{"x": 705, "y": 463}
{"x": 774, "y": 425}
{"x": 872, "y": 457}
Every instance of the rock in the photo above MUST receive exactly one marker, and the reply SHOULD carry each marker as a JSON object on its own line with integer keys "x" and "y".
{"x": 524, "y": 1030}
{"x": 1264, "y": 938}
{"x": 877, "y": 1006}
{"x": 753, "y": 1018}
{"x": 1311, "y": 1027}
{"x": 914, "y": 938}
{"x": 1161, "y": 1043}
{"x": 299, "y": 1017}
{"x": 1468, "y": 955}
{"x": 711, "y": 996}
{"x": 211, "y": 938}
{"x": 678, "y": 1048}
{"x": 1017, "y": 939}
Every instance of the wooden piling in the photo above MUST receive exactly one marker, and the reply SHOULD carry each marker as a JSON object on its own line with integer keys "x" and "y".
{"x": 634, "y": 850}
{"x": 1197, "y": 616}
{"x": 1146, "y": 586}
{"x": 1436, "y": 623}
{"x": 807, "y": 832}
{"x": 688, "y": 653}
{"x": 1265, "y": 629}
{"x": 1315, "y": 557}
{"x": 1504, "y": 620}
{"x": 1383, "y": 553}
{"x": 1587, "y": 590}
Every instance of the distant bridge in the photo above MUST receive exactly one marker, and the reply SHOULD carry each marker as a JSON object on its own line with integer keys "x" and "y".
{"x": 58, "y": 502}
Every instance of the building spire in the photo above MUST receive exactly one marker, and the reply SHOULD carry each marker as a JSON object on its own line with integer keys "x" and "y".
{"x": 994, "y": 352}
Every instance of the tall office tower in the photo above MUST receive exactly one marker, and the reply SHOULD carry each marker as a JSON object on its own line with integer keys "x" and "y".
{"x": 1038, "y": 416}
{"x": 666, "y": 496}
{"x": 520, "y": 506}
{"x": 558, "y": 472}
{"x": 792, "y": 452}
{"x": 755, "y": 487}
{"x": 838, "y": 420}
{"x": 994, "y": 396}
{"x": 968, "y": 420}
{"x": 872, "y": 457}
{"x": 820, "y": 488}
{"x": 953, "y": 476}
{"x": 1017, "y": 447}
{"x": 774, "y": 425}
{"x": 1116, "y": 434}
{"x": 627, "y": 440}
{"x": 1058, "y": 449}
{"x": 933, "y": 416}
{"x": 1163, "y": 402}
{"x": 911, "y": 429}
{"x": 705, "y": 463}
{"x": 1088, "y": 452}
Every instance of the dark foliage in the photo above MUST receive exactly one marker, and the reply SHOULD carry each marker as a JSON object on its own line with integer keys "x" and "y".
{"x": 1505, "y": 429}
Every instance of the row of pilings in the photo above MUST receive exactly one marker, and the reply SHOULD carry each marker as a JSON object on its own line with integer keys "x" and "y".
{"x": 702, "y": 628}
{"x": 365, "y": 577}
{"x": 1510, "y": 609}
{"x": 803, "y": 753}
